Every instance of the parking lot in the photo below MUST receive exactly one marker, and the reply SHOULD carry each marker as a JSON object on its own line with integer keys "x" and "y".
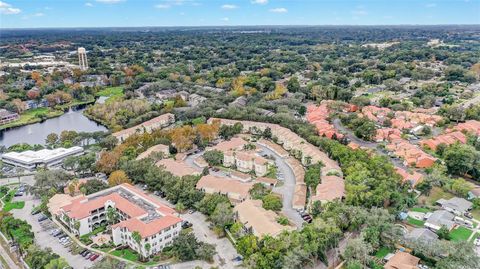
{"x": 43, "y": 237}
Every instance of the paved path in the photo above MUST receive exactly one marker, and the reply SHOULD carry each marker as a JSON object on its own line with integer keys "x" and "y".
{"x": 287, "y": 189}
{"x": 29, "y": 180}
{"x": 10, "y": 263}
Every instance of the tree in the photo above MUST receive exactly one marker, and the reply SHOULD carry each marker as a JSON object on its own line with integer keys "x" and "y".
{"x": 443, "y": 233}
{"x": 48, "y": 181}
{"x": 222, "y": 215}
{"x": 118, "y": 177}
{"x": 272, "y": 202}
{"x": 247, "y": 245}
{"x": 213, "y": 157}
{"x": 462, "y": 159}
{"x": 93, "y": 186}
{"x": 357, "y": 250}
{"x": 59, "y": 263}
{"x": 137, "y": 237}
{"x": 183, "y": 137}
{"x": 112, "y": 215}
{"x": 258, "y": 191}
{"x": 293, "y": 85}
{"x": 312, "y": 175}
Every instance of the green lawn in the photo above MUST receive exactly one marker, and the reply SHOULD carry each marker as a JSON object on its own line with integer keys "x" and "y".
{"x": 435, "y": 194}
{"x": 111, "y": 91}
{"x": 420, "y": 209}
{"x": 476, "y": 213}
{"x": 33, "y": 116}
{"x": 126, "y": 254}
{"x": 13, "y": 205}
{"x": 382, "y": 252}
{"x": 415, "y": 222}
{"x": 460, "y": 234}
{"x": 477, "y": 235}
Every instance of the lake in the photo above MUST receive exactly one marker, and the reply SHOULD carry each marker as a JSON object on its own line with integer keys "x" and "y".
{"x": 36, "y": 133}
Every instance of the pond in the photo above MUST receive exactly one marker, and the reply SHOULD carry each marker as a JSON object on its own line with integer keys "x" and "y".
{"x": 36, "y": 133}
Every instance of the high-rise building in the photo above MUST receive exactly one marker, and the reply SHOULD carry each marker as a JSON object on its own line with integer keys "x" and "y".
{"x": 82, "y": 58}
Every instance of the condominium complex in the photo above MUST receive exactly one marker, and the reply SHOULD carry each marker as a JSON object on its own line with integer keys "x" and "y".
{"x": 30, "y": 160}
{"x": 7, "y": 116}
{"x": 148, "y": 126}
{"x": 136, "y": 212}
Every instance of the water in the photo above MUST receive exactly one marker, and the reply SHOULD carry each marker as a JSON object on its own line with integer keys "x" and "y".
{"x": 36, "y": 133}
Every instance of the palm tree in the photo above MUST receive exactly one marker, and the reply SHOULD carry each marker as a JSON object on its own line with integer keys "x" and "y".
{"x": 138, "y": 239}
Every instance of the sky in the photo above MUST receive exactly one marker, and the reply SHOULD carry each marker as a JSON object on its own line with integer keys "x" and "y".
{"x": 133, "y": 13}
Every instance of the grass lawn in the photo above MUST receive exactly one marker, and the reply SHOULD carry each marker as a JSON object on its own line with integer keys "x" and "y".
{"x": 476, "y": 213}
{"x": 415, "y": 222}
{"x": 382, "y": 252}
{"x": 111, "y": 91}
{"x": 33, "y": 116}
{"x": 13, "y": 205}
{"x": 477, "y": 235}
{"x": 460, "y": 234}
{"x": 126, "y": 254}
{"x": 436, "y": 194}
{"x": 420, "y": 209}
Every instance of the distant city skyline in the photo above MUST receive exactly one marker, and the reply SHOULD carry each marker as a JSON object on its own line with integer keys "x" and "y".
{"x": 137, "y": 13}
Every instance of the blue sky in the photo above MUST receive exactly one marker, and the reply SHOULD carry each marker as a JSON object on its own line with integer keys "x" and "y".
{"x": 105, "y": 13}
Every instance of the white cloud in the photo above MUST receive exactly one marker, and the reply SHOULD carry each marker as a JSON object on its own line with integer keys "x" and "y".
{"x": 228, "y": 6}
{"x": 8, "y": 9}
{"x": 110, "y": 1}
{"x": 88, "y": 4}
{"x": 162, "y": 6}
{"x": 279, "y": 10}
{"x": 260, "y": 2}
{"x": 431, "y": 5}
{"x": 39, "y": 14}
{"x": 225, "y": 19}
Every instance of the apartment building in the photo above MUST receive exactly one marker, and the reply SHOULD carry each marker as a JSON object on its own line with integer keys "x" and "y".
{"x": 148, "y": 126}
{"x": 236, "y": 191}
{"x": 156, "y": 223}
{"x": 246, "y": 161}
{"x": 7, "y": 116}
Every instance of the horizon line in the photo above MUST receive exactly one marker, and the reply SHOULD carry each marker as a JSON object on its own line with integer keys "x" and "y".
{"x": 239, "y": 25}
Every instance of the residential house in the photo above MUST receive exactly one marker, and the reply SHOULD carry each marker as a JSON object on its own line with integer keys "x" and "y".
{"x": 446, "y": 139}
{"x": 438, "y": 219}
{"x": 7, "y": 116}
{"x": 402, "y": 260}
{"x": 421, "y": 235}
{"x": 411, "y": 154}
{"x": 456, "y": 205}
{"x": 246, "y": 161}
{"x": 413, "y": 178}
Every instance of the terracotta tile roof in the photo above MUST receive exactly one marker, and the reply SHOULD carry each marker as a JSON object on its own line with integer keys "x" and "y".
{"x": 178, "y": 168}
{"x": 266, "y": 180}
{"x": 263, "y": 222}
{"x": 234, "y": 143}
{"x": 447, "y": 139}
{"x": 414, "y": 178}
{"x": 331, "y": 187}
{"x": 412, "y": 154}
{"x": 402, "y": 260}
{"x": 299, "y": 195}
{"x": 318, "y": 117}
{"x": 224, "y": 185}
{"x": 147, "y": 229}
{"x": 470, "y": 126}
{"x": 156, "y": 148}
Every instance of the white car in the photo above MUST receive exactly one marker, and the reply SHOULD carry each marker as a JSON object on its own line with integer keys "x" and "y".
{"x": 477, "y": 242}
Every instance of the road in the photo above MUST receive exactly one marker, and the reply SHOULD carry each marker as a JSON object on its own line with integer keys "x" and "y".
{"x": 29, "y": 180}
{"x": 287, "y": 189}
{"x": 225, "y": 250}
{"x": 9, "y": 262}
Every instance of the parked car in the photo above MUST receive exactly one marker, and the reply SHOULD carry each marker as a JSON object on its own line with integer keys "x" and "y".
{"x": 94, "y": 257}
{"x": 186, "y": 225}
{"x": 468, "y": 215}
{"x": 35, "y": 211}
{"x": 476, "y": 242}
{"x": 42, "y": 218}
{"x": 85, "y": 253}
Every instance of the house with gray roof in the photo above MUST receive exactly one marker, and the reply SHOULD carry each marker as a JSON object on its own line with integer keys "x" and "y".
{"x": 456, "y": 205}
{"x": 421, "y": 234}
{"x": 440, "y": 218}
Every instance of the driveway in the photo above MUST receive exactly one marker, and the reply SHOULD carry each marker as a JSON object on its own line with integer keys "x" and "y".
{"x": 225, "y": 250}
{"x": 288, "y": 187}
{"x": 44, "y": 239}
{"x": 29, "y": 180}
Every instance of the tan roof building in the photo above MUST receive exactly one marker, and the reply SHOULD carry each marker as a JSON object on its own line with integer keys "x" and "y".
{"x": 178, "y": 168}
{"x": 155, "y": 123}
{"x": 402, "y": 260}
{"x": 60, "y": 200}
{"x": 157, "y": 148}
{"x": 257, "y": 220}
{"x": 235, "y": 190}
{"x": 232, "y": 144}
{"x": 331, "y": 188}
